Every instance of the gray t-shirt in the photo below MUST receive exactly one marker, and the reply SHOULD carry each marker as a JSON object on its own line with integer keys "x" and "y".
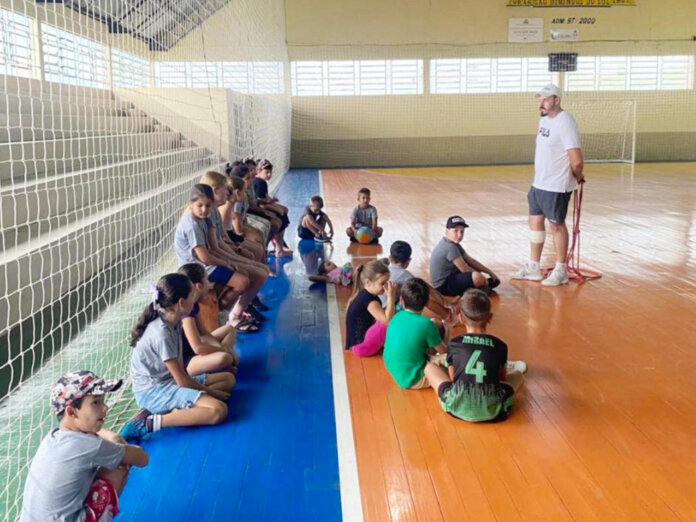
{"x": 216, "y": 223}
{"x": 190, "y": 233}
{"x": 398, "y": 275}
{"x": 363, "y": 216}
{"x": 160, "y": 342}
{"x": 441, "y": 265}
{"x": 62, "y": 472}
{"x": 240, "y": 207}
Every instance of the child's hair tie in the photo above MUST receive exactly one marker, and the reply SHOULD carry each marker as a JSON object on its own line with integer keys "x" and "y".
{"x": 154, "y": 295}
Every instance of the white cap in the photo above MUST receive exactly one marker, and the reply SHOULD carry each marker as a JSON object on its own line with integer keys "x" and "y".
{"x": 549, "y": 90}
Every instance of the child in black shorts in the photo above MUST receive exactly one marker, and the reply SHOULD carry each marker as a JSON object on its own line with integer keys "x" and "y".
{"x": 480, "y": 382}
{"x": 314, "y": 221}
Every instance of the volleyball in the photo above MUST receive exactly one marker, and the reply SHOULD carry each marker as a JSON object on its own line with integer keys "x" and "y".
{"x": 364, "y": 235}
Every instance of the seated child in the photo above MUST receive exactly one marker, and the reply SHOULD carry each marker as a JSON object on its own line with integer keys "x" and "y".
{"x": 314, "y": 221}
{"x": 411, "y": 337}
{"x": 80, "y": 468}
{"x": 205, "y": 351}
{"x": 264, "y": 171}
{"x": 481, "y": 383}
{"x": 167, "y": 394}
{"x": 366, "y": 320}
{"x": 329, "y": 272}
{"x": 399, "y": 259}
{"x": 364, "y": 215}
{"x": 451, "y": 271}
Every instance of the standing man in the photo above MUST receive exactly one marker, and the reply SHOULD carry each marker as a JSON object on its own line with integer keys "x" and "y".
{"x": 557, "y": 171}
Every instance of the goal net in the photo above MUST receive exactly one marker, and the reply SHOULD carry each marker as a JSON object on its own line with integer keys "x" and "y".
{"x": 107, "y": 121}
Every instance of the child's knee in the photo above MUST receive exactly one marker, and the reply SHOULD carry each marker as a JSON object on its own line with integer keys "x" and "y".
{"x": 218, "y": 413}
{"x": 478, "y": 279}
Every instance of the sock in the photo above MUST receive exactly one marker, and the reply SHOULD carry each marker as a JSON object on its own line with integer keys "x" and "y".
{"x": 533, "y": 265}
{"x": 153, "y": 423}
{"x": 560, "y": 267}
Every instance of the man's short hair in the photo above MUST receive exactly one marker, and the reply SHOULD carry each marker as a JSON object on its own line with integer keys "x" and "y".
{"x": 415, "y": 293}
{"x": 476, "y": 306}
{"x": 400, "y": 252}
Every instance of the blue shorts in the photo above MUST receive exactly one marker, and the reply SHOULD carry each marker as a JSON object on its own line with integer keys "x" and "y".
{"x": 168, "y": 396}
{"x": 220, "y": 275}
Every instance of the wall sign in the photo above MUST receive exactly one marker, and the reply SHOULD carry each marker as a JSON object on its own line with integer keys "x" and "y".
{"x": 522, "y": 30}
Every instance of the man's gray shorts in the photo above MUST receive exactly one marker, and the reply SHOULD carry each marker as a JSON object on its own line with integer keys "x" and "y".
{"x": 553, "y": 205}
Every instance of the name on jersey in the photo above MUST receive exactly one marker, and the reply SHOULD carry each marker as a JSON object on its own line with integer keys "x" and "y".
{"x": 544, "y": 132}
{"x": 482, "y": 341}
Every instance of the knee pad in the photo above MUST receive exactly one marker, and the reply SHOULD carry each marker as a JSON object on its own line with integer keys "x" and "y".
{"x": 537, "y": 236}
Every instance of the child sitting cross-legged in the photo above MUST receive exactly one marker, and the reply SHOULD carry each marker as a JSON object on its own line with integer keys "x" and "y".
{"x": 204, "y": 351}
{"x": 80, "y": 468}
{"x": 412, "y": 339}
{"x": 364, "y": 215}
{"x": 167, "y": 394}
{"x": 481, "y": 382}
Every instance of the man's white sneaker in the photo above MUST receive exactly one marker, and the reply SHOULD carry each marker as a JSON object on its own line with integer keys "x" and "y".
{"x": 516, "y": 366}
{"x": 526, "y": 273}
{"x": 556, "y": 278}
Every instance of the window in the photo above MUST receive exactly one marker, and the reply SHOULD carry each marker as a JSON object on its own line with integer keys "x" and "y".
{"x": 72, "y": 59}
{"x": 246, "y": 77}
{"x": 632, "y": 73}
{"x": 128, "y": 70}
{"x": 171, "y": 74}
{"x": 357, "y": 78}
{"x": 489, "y": 75}
{"x": 15, "y": 44}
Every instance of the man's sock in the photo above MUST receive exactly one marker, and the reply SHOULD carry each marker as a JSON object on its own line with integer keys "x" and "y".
{"x": 533, "y": 265}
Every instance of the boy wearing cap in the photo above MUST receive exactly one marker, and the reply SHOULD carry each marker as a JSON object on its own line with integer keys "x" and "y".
{"x": 80, "y": 468}
{"x": 558, "y": 168}
{"x": 451, "y": 267}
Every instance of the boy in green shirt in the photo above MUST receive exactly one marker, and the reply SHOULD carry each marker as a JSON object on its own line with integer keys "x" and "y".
{"x": 411, "y": 337}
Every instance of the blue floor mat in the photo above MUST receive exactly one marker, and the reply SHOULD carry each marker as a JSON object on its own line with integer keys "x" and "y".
{"x": 275, "y": 456}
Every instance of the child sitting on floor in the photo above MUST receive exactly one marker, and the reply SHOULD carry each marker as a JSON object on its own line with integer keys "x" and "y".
{"x": 481, "y": 382}
{"x": 399, "y": 260}
{"x": 314, "y": 221}
{"x": 329, "y": 272}
{"x": 366, "y": 320}
{"x": 80, "y": 468}
{"x": 167, "y": 394}
{"x": 364, "y": 215}
{"x": 411, "y": 337}
{"x": 205, "y": 351}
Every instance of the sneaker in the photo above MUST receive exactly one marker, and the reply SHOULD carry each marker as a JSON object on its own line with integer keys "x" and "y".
{"x": 556, "y": 278}
{"x": 527, "y": 273}
{"x": 516, "y": 366}
{"x": 136, "y": 428}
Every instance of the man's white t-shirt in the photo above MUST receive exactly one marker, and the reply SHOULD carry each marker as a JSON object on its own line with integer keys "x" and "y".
{"x": 551, "y": 162}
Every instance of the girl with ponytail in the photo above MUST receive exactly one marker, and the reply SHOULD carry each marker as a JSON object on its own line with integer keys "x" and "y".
{"x": 160, "y": 384}
{"x": 366, "y": 320}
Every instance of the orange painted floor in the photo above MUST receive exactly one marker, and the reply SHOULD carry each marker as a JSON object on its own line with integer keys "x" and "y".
{"x": 604, "y": 427}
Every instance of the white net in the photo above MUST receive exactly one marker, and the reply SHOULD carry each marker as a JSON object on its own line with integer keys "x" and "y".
{"x": 359, "y": 106}
{"x": 100, "y": 141}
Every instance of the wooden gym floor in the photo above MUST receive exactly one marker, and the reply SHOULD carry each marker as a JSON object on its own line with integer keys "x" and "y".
{"x": 603, "y": 428}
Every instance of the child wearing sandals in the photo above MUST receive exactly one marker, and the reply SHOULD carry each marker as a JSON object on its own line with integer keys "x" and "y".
{"x": 191, "y": 242}
{"x": 80, "y": 468}
{"x": 480, "y": 382}
{"x": 366, "y": 320}
{"x": 204, "y": 351}
{"x": 167, "y": 395}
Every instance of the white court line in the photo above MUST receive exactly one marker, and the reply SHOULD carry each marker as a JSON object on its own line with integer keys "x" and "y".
{"x": 351, "y": 503}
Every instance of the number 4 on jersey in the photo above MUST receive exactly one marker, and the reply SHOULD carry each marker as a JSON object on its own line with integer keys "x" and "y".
{"x": 476, "y": 368}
